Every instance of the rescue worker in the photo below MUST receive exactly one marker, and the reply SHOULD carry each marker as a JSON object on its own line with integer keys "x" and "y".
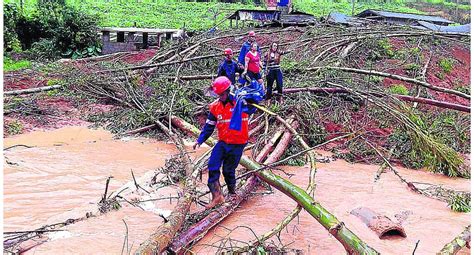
{"x": 246, "y": 46}
{"x": 271, "y": 63}
{"x": 253, "y": 64}
{"x": 228, "y": 150}
{"x": 228, "y": 67}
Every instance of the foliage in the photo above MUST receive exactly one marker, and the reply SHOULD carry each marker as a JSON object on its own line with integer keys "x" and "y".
{"x": 52, "y": 29}
{"x": 44, "y": 50}
{"x": 446, "y": 64}
{"x": 460, "y": 203}
{"x": 399, "y": 89}
{"x": 14, "y": 127}
{"x": 10, "y": 18}
{"x": 12, "y": 65}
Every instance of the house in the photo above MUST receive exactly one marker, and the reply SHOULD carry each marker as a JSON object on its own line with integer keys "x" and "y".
{"x": 398, "y": 18}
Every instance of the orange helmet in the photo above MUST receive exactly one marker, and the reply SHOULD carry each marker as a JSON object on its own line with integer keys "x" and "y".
{"x": 252, "y": 33}
{"x": 228, "y": 51}
{"x": 221, "y": 84}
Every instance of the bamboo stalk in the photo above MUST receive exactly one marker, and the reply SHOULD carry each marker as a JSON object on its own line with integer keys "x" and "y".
{"x": 457, "y": 243}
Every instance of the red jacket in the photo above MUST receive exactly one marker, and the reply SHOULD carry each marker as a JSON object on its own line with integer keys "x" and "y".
{"x": 223, "y": 115}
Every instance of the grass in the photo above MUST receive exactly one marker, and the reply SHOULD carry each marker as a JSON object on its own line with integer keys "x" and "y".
{"x": 399, "y": 89}
{"x": 446, "y": 64}
{"x": 154, "y": 14}
{"x": 323, "y": 8}
{"x": 12, "y": 65}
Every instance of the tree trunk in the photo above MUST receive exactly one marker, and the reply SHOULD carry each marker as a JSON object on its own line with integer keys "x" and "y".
{"x": 458, "y": 243}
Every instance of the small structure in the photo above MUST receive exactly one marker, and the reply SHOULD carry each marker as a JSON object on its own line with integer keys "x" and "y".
{"x": 275, "y": 17}
{"x": 254, "y": 15}
{"x": 129, "y": 43}
{"x": 402, "y": 18}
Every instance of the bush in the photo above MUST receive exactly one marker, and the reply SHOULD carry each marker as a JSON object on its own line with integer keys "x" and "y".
{"x": 53, "y": 29}
{"x": 446, "y": 64}
{"x": 399, "y": 89}
{"x": 44, "y": 50}
{"x": 10, "y": 37}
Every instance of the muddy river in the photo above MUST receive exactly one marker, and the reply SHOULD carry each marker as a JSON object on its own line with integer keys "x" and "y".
{"x": 62, "y": 175}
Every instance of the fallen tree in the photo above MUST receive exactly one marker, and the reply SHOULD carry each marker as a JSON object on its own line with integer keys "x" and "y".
{"x": 396, "y": 77}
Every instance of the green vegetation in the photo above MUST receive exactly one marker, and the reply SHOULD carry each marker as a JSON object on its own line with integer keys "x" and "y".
{"x": 446, "y": 64}
{"x": 399, "y": 89}
{"x": 12, "y": 65}
{"x": 153, "y": 14}
{"x": 49, "y": 31}
{"x": 14, "y": 127}
{"x": 323, "y": 8}
{"x": 460, "y": 203}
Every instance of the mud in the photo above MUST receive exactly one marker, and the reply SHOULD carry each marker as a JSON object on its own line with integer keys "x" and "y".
{"x": 64, "y": 176}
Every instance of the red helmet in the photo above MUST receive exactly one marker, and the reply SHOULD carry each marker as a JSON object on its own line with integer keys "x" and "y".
{"x": 252, "y": 33}
{"x": 228, "y": 51}
{"x": 221, "y": 84}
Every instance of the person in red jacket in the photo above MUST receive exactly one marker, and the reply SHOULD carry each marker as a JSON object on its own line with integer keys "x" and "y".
{"x": 228, "y": 150}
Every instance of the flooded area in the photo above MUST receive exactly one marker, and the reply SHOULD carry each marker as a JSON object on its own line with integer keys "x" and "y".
{"x": 64, "y": 175}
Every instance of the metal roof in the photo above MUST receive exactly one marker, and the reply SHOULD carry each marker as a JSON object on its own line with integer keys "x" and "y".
{"x": 399, "y": 15}
{"x": 339, "y": 18}
{"x": 255, "y": 14}
{"x": 453, "y": 29}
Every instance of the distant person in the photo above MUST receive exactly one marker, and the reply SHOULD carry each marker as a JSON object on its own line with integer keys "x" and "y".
{"x": 271, "y": 65}
{"x": 228, "y": 67}
{"x": 253, "y": 64}
{"x": 244, "y": 50}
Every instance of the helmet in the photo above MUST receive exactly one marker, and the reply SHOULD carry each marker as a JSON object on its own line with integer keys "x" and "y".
{"x": 252, "y": 33}
{"x": 228, "y": 51}
{"x": 221, "y": 84}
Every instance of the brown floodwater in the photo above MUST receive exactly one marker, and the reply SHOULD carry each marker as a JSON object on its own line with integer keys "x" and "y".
{"x": 64, "y": 177}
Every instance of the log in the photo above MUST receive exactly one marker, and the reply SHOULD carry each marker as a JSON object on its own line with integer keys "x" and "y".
{"x": 162, "y": 236}
{"x": 270, "y": 144}
{"x": 463, "y": 239}
{"x": 140, "y": 130}
{"x": 396, "y": 77}
{"x": 351, "y": 242}
{"x": 31, "y": 91}
{"x": 378, "y": 223}
{"x": 200, "y": 229}
{"x": 421, "y": 100}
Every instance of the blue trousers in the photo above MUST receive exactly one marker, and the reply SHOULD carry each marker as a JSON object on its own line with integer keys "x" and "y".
{"x": 227, "y": 155}
{"x": 273, "y": 75}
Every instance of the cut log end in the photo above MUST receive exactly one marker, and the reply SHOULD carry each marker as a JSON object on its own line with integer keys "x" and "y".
{"x": 383, "y": 226}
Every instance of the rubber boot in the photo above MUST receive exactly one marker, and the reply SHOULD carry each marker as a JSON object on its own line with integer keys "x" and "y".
{"x": 217, "y": 197}
{"x": 231, "y": 189}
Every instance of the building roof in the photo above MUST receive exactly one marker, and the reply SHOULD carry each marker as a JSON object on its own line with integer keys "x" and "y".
{"x": 450, "y": 29}
{"x": 254, "y": 13}
{"x": 399, "y": 15}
